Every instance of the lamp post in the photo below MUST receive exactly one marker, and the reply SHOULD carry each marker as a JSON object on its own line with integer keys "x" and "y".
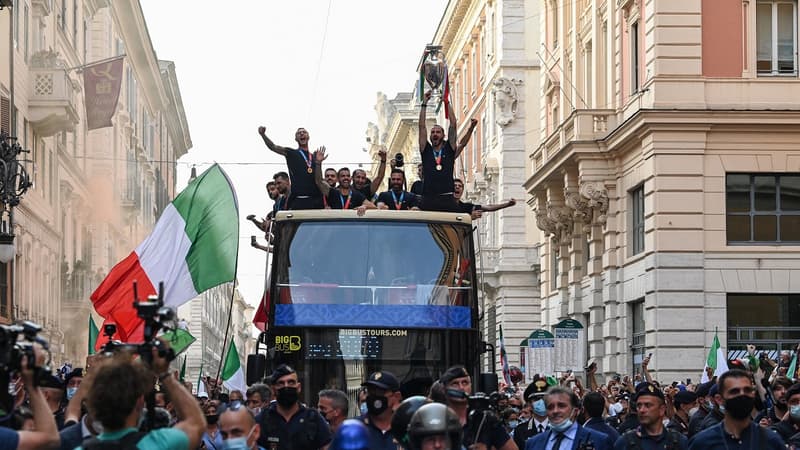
{"x": 14, "y": 182}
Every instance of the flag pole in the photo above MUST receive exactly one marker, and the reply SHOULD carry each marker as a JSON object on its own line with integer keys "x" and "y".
{"x": 99, "y": 61}
{"x": 222, "y": 355}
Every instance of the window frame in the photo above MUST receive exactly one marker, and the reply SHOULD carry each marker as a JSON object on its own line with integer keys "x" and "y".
{"x": 775, "y": 41}
{"x": 778, "y": 212}
{"x": 634, "y": 48}
{"x": 638, "y": 343}
{"x": 638, "y": 216}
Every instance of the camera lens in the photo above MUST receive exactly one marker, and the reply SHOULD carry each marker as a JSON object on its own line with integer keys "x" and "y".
{"x": 398, "y": 160}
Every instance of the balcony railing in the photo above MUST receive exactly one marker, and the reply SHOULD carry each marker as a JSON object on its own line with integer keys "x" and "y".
{"x": 52, "y": 106}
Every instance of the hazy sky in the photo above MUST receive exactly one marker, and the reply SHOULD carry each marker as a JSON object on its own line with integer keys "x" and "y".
{"x": 245, "y": 63}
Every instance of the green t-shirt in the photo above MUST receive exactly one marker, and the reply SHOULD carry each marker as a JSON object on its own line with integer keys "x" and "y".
{"x": 160, "y": 439}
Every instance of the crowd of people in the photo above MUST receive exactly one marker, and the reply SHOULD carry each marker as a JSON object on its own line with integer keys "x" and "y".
{"x": 307, "y": 186}
{"x": 107, "y": 405}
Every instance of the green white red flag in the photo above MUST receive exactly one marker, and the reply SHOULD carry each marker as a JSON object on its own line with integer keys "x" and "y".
{"x": 193, "y": 247}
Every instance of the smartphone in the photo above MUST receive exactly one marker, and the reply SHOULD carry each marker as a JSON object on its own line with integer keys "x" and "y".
{"x": 649, "y": 355}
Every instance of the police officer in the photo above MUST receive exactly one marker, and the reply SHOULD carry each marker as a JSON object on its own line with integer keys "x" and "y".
{"x": 434, "y": 426}
{"x": 651, "y": 408}
{"x": 402, "y": 417}
{"x": 287, "y": 424}
{"x": 458, "y": 388}
{"x": 685, "y": 404}
{"x": 703, "y": 408}
{"x": 534, "y": 394}
{"x": 383, "y": 397}
{"x": 737, "y": 430}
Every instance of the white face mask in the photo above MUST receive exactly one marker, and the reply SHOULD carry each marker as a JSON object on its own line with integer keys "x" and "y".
{"x": 238, "y": 443}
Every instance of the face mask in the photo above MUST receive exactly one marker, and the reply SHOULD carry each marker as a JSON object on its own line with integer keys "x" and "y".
{"x": 794, "y": 411}
{"x": 561, "y": 427}
{"x": 286, "y": 396}
{"x": 456, "y": 394}
{"x": 376, "y": 404}
{"x": 693, "y": 411}
{"x": 740, "y": 407}
{"x": 513, "y": 424}
{"x": 211, "y": 419}
{"x": 539, "y": 408}
{"x": 363, "y": 408}
{"x": 255, "y": 411}
{"x": 239, "y": 443}
{"x": 71, "y": 392}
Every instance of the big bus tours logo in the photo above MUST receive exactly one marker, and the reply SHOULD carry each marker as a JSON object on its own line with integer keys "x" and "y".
{"x": 287, "y": 344}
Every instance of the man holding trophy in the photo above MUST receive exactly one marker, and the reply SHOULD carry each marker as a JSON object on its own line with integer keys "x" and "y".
{"x": 439, "y": 154}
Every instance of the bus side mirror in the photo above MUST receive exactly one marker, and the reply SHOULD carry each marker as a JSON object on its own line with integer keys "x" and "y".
{"x": 256, "y": 368}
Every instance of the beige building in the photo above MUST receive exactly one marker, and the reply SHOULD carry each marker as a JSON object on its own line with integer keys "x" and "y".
{"x": 207, "y": 317}
{"x": 667, "y": 182}
{"x": 491, "y": 51}
{"x": 96, "y": 193}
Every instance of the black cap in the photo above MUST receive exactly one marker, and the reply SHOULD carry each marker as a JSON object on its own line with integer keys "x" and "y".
{"x": 453, "y": 373}
{"x": 383, "y": 380}
{"x": 703, "y": 389}
{"x": 51, "y": 381}
{"x": 536, "y": 389}
{"x": 623, "y": 396}
{"x": 280, "y": 372}
{"x": 649, "y": 389}
{"x": 76, "y": 372}
{"x": 684, "y": 397}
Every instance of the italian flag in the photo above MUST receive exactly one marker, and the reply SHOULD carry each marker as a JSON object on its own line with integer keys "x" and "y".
{"x": 716, "y": 360}
{"x": 232, "y": 373}
{"x": 193, "y": 247}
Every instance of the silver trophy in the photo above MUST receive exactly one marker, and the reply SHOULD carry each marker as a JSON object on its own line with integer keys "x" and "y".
{"x": 434, "y": 69}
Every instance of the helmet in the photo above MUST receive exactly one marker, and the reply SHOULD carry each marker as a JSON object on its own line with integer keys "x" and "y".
{"x": 351, "y": 435}
{"x": 434, "y": 419}
{"x": 402, "y": 416}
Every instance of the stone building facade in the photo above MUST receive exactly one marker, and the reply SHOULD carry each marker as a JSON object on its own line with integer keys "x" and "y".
{"x": 667, "y": 182}
{"x": 97, "y": 193}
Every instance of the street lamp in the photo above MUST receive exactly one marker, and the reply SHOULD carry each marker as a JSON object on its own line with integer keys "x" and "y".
{"x": 14, "y": 182}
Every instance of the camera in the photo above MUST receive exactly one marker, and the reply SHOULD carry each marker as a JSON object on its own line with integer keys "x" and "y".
{"x": 156, "y": 317}
{"x": 398, "y": 160}
{"x": 12, "y": 348}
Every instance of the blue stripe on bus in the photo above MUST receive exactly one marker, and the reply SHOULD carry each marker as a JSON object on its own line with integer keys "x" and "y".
{"x": 397, "y": 316}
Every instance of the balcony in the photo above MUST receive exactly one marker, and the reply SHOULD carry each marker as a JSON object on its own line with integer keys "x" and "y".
{"x": 52, "y": 106}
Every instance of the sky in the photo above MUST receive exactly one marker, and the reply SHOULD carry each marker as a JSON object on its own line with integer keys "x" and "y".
{"x": 317, "y": 64}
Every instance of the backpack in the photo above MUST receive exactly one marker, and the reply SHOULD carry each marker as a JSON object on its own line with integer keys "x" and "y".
{"x": 127, "y": 442}
{"x": 632, "y": 440}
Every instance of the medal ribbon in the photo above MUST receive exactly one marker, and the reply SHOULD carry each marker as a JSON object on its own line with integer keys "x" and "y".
{"x": 398, "y": 204}
{"x": 438, "y": 156}
{"x": 347, "y": 204}
{"x": 307, "y": 159}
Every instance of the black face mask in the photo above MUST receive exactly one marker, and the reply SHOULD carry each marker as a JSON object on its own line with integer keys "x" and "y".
{"x": 740, "y": 407}
{"x": 286, "y": 396}
{"x": 376, "y": 404}
{"x": 456, "y": 394}
{"x": 212, "y": 418}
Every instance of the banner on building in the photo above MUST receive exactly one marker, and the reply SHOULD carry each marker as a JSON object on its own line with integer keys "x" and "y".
{"x": 539, "y": 353}
{"x": 570, "y": 346}
{"x": 101, "y": 85}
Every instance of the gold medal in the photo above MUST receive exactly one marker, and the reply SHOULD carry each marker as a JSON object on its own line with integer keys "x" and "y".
{"x": 310, "y": 170}
{"x": 438, "y": 167}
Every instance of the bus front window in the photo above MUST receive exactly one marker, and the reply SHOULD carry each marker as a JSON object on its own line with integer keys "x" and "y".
{"x": 357, "y": 272}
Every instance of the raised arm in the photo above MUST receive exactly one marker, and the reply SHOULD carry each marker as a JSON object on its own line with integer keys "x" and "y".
{"x": 320, "y": 156}
{"x": 46, "y": 434}
{"x": 452, "y": 132}
{"x": 465, "y": 139}
{"x": 490, "y": 208}
{"x": 423, "y": 127}
{"x": 376, "y": 182}
{"x": 262, "y": 131}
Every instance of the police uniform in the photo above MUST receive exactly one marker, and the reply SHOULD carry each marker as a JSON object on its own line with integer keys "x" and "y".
{"x": 380, "y": 439}
{"x": 638, "y": 439}
{"x": 305, "y": 430}
{"x": 527, "y": 430}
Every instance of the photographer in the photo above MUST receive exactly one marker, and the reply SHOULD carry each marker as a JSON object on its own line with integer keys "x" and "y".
{"x": 482, "y": 429}
{"x": 117, "y": 398}
{"x": 46, "y": 434}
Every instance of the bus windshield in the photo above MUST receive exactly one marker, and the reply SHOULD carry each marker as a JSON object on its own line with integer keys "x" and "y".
{"x": 374, "y": 274}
